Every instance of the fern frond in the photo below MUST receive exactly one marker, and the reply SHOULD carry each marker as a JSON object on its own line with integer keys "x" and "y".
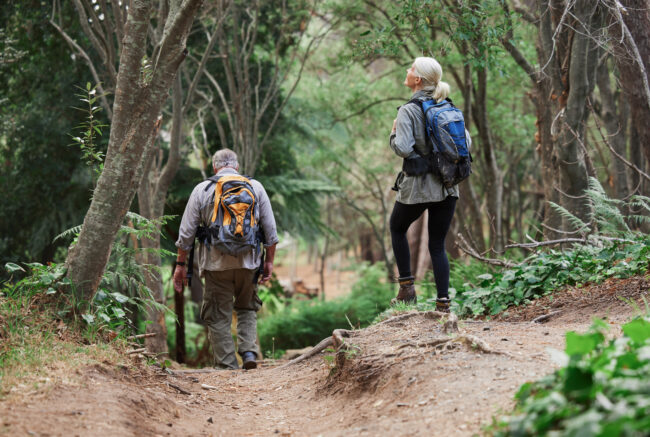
{"x": 72, "y": 231}
{"x": 641, "y": 202}
{"x": 572, "y": 219}
{"x": 639, "y": 219}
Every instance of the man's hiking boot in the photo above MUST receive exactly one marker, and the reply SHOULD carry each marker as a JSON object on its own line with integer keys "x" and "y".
{"x": 406, "y": 291}
{"x": 249, "y": 360}
{"x": 442, "y": 304}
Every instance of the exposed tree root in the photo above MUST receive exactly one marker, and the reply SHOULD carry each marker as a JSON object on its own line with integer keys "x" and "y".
{"x": 435, "y": 342}
{"x": 426, "y": 314}
{"x": 477, "y": 343}
{"x": 545, "y": 317}
{"x": 472, "y": 341}
{"x": 336, "y": 339}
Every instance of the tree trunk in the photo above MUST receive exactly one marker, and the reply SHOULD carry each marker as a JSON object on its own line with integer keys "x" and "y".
{"x": 634, "y": 64}
{"x": 560, "y": 91}
{"x": 414, "y": 238}
{"x": 493, "y": 175}
{"x": 136, "y": 109}
{"x": 152, "y": 194}
{"x": 471, "y": 215}
{"x": 614, "y": 115}
{"x": 570, "y": 151}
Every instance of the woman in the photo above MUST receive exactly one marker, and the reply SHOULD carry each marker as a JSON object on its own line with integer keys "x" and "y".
{"x": 419, "y": 193}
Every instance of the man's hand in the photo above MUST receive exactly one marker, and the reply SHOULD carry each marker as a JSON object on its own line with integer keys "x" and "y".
{"x": 394, "y": 125}
{"x": 268, "y": 269}
{"x": 180, "y": 278}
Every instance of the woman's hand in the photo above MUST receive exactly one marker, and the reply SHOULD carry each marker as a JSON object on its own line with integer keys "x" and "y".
{"x": 394, "y": 125}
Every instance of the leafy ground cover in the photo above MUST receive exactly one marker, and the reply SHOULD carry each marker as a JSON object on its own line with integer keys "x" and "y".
{"x": 542, "y": 273}
{"x": 602, "y": 390}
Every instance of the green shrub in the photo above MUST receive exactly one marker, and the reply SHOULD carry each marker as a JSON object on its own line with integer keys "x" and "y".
{"x": 603, "y": 389}
{"x": 609, "y": 248}
{"x": 542, "y": 273}
{"x": 305, "y": 323}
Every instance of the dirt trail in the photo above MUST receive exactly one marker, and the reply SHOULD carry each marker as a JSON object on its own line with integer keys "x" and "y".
{"x": 391, "y": 384}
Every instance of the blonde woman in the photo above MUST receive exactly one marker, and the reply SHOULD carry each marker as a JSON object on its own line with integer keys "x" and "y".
{"x": 420, "y": 190}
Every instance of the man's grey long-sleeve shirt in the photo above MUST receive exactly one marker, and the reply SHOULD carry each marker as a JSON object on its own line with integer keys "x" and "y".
{"x": 199, "y": 211}
{"x": 410, "y": 134}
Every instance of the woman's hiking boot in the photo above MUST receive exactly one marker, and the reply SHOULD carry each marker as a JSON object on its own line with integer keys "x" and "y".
{"x": 406, "y": 291}
{"x": 442, "y": 304}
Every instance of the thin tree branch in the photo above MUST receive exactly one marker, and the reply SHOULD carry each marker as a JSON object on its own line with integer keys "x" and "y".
{"x": 635, "y": 50}
{"x": 547, "y": 243}
{"x": 201, "y": 66}
{"x": 462, "y": 244}
{"x": 365, "y": 108}
{"x": 614, "y": 152}
{"x": 91, "y": 66}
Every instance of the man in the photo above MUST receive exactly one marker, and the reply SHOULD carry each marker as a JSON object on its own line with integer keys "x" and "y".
{"x": 229, "y": 279}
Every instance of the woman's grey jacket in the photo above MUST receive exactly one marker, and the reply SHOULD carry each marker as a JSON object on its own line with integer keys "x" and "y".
{"x": 410, "y": 133}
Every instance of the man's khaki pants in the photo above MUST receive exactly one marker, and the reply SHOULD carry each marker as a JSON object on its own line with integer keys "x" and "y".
{"x": 223, "y": 291}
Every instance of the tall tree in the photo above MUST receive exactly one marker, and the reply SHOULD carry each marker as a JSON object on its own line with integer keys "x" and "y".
{"x": 104, "y": 26}
{"x": 141, "y": 89}
{"x": 630, "y": 21}
{"x": 567, "y": 52}
{"x": 262, "y": 48}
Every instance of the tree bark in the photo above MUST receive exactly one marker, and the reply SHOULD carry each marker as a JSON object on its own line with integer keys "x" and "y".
{"x": 614, "y": 113}
{"x": 568, "y": 57}
{"x": 569, "y": 150}
{"x": 136, "y": 108}
{"x": 414, "y": 237}
{"x": 494, "y": 177}
{"x": 635, "y": 69}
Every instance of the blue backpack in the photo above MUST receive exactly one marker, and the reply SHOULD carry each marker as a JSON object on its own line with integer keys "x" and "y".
{"x": 449, "y": 158}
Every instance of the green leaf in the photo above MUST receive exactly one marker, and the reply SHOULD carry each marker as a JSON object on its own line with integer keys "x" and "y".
{"x": 119, "y": 313}
{"x": 46, "y": 279}
{"x": 89, "y": 318}
{"x": 11, "y": 268}
{"x": 578, "y": 381}
{"x": 638, "y": 330}
{"x": 120, "y": 297}
{"x": 577, "y": 344}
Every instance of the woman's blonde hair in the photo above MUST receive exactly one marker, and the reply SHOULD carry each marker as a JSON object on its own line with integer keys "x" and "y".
{"x": 430, "y": 71}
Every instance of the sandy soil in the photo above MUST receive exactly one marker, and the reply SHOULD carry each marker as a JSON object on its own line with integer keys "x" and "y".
{"x": 390, "y": 384}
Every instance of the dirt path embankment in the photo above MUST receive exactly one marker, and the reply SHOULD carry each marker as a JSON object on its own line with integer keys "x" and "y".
{"x": 395, "y": 379}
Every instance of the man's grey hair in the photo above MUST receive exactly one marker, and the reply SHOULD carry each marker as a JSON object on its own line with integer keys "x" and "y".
{"x": 224, "y": 158}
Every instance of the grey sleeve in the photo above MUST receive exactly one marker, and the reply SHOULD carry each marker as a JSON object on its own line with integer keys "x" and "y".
{"x": 267, "y": 219}
{"x": 190, "y": 221}
{"x": 402, "y": 141}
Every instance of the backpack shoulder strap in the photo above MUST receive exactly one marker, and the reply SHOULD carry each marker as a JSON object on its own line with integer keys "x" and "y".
{"x": 213, "y": 179}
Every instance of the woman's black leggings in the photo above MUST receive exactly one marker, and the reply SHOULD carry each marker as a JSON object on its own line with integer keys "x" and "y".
{"x": 440, "y": 215}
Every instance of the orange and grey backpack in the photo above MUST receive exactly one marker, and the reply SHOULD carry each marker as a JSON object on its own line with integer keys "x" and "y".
{"x": 233, "y": 228}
